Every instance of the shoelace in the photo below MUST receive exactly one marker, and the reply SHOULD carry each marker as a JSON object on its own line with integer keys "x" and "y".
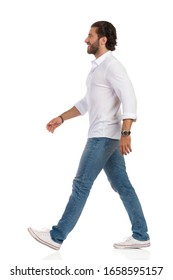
{"x": 128, "y": 238}
{"x": 44, "y": 230}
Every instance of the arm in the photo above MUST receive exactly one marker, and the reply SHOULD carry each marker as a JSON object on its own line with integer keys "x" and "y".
{"x": 56, "y": 122}
{"x": 121, "y": 83}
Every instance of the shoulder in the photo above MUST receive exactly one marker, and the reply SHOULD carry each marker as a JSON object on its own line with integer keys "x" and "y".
{"x": 112, "y": 61}
{"x": 114, "y": 66}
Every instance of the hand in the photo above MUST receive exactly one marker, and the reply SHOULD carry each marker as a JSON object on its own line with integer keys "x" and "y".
{"x": 53, "y": 124}
{"x": 125, "y": 145}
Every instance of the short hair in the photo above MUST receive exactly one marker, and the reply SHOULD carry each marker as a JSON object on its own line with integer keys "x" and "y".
{"x": 105, "y": 28}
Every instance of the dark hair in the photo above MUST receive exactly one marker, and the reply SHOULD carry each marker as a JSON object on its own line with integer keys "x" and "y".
{"x": 105, "y": 28}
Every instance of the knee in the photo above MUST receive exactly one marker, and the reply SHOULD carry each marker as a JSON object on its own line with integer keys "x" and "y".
{"x": 122, "y": 186}
{"x": 81, "y": 187}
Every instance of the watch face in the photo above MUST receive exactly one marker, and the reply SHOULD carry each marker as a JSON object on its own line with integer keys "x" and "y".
{"x": 125, "y": 133}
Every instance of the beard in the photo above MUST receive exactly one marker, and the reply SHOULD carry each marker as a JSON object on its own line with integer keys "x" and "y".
{"x": 93, "y": 48}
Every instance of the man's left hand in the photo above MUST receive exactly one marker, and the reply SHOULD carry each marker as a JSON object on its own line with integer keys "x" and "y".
{"x": 125, "y": 145}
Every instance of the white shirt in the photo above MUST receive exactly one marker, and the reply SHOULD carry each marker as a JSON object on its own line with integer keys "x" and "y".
{"x": 108, "y": 87}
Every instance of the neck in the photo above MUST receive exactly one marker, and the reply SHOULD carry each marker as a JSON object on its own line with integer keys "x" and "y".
{"x": 100, "y": 52}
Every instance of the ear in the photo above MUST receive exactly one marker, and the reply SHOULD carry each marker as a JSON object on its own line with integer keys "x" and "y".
{"x": 103, "y": 40}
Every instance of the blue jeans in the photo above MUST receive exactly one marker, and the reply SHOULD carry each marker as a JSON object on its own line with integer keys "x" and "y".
{"x": 101, "y": 153}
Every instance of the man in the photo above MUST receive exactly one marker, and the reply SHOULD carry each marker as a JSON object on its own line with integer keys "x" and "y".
{"x": 109, "y": 139}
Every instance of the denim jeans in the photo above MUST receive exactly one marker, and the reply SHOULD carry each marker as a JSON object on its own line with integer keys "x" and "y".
{"x": 101, "y": 153}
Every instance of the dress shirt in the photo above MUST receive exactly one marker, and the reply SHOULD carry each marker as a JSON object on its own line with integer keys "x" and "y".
{"x": 110, "y": 97}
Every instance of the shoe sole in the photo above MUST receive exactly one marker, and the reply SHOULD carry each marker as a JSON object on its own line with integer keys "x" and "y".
{"x": 34, "y": 235}
{"x": 134, "y": 246}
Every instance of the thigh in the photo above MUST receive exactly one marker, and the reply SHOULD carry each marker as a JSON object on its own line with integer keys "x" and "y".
{"x": 115, "y": 170}
{"x": 95, "y": 155}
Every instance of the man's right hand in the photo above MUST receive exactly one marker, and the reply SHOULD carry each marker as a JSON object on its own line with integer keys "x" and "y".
{"x": 53, "y": 124}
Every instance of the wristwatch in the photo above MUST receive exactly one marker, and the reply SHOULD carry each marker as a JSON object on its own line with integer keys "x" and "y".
{"x": 125, "y": 132}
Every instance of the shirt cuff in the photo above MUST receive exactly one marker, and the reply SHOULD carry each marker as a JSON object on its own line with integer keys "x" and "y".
{"x": 81, "y": 106}
{"x": 129, "y": 116}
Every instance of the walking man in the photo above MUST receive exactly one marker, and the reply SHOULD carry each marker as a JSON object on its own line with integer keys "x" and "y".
{"x": 109, "y": 139}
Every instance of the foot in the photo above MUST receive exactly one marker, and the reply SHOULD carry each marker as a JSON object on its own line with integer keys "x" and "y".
{"x": 43, "y": 236}
{"x": 132, "y": 243}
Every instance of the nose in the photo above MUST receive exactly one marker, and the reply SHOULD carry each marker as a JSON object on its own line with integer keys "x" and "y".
{"x": 86, "y": 40}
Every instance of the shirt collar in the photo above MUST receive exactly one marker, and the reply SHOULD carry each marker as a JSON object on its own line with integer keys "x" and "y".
{"x": 100, "y": 59}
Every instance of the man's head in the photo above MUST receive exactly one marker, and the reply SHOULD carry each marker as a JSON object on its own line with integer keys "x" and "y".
{"x": 102, "y": 37}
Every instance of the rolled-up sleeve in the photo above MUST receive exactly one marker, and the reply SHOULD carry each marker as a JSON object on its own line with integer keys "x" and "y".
{"x": 123, "y": 88}
{"x": 82, "y": 105}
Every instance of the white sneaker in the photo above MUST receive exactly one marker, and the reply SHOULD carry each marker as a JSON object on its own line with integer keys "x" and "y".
{"x": 43, "y": 236}
{"x": 132, "y": 243}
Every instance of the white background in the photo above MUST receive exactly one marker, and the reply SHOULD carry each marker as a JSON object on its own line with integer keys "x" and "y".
{"x": 43, "y": 64}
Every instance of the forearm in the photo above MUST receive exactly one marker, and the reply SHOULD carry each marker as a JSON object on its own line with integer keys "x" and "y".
{"x": 127, "y": 124}
{"x": 72, "y": 113}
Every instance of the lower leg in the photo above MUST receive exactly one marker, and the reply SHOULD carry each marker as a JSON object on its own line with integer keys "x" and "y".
{"x": 71, "y": 214}
{"x": 135, "y": 213}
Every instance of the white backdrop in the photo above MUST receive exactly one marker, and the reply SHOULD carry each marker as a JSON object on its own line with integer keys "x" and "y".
{"x": 43, "y": 67}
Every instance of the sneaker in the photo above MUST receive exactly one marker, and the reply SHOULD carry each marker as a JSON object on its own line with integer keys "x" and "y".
{"x": 132, "y": 243}
{"x": 43, "y": 236}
